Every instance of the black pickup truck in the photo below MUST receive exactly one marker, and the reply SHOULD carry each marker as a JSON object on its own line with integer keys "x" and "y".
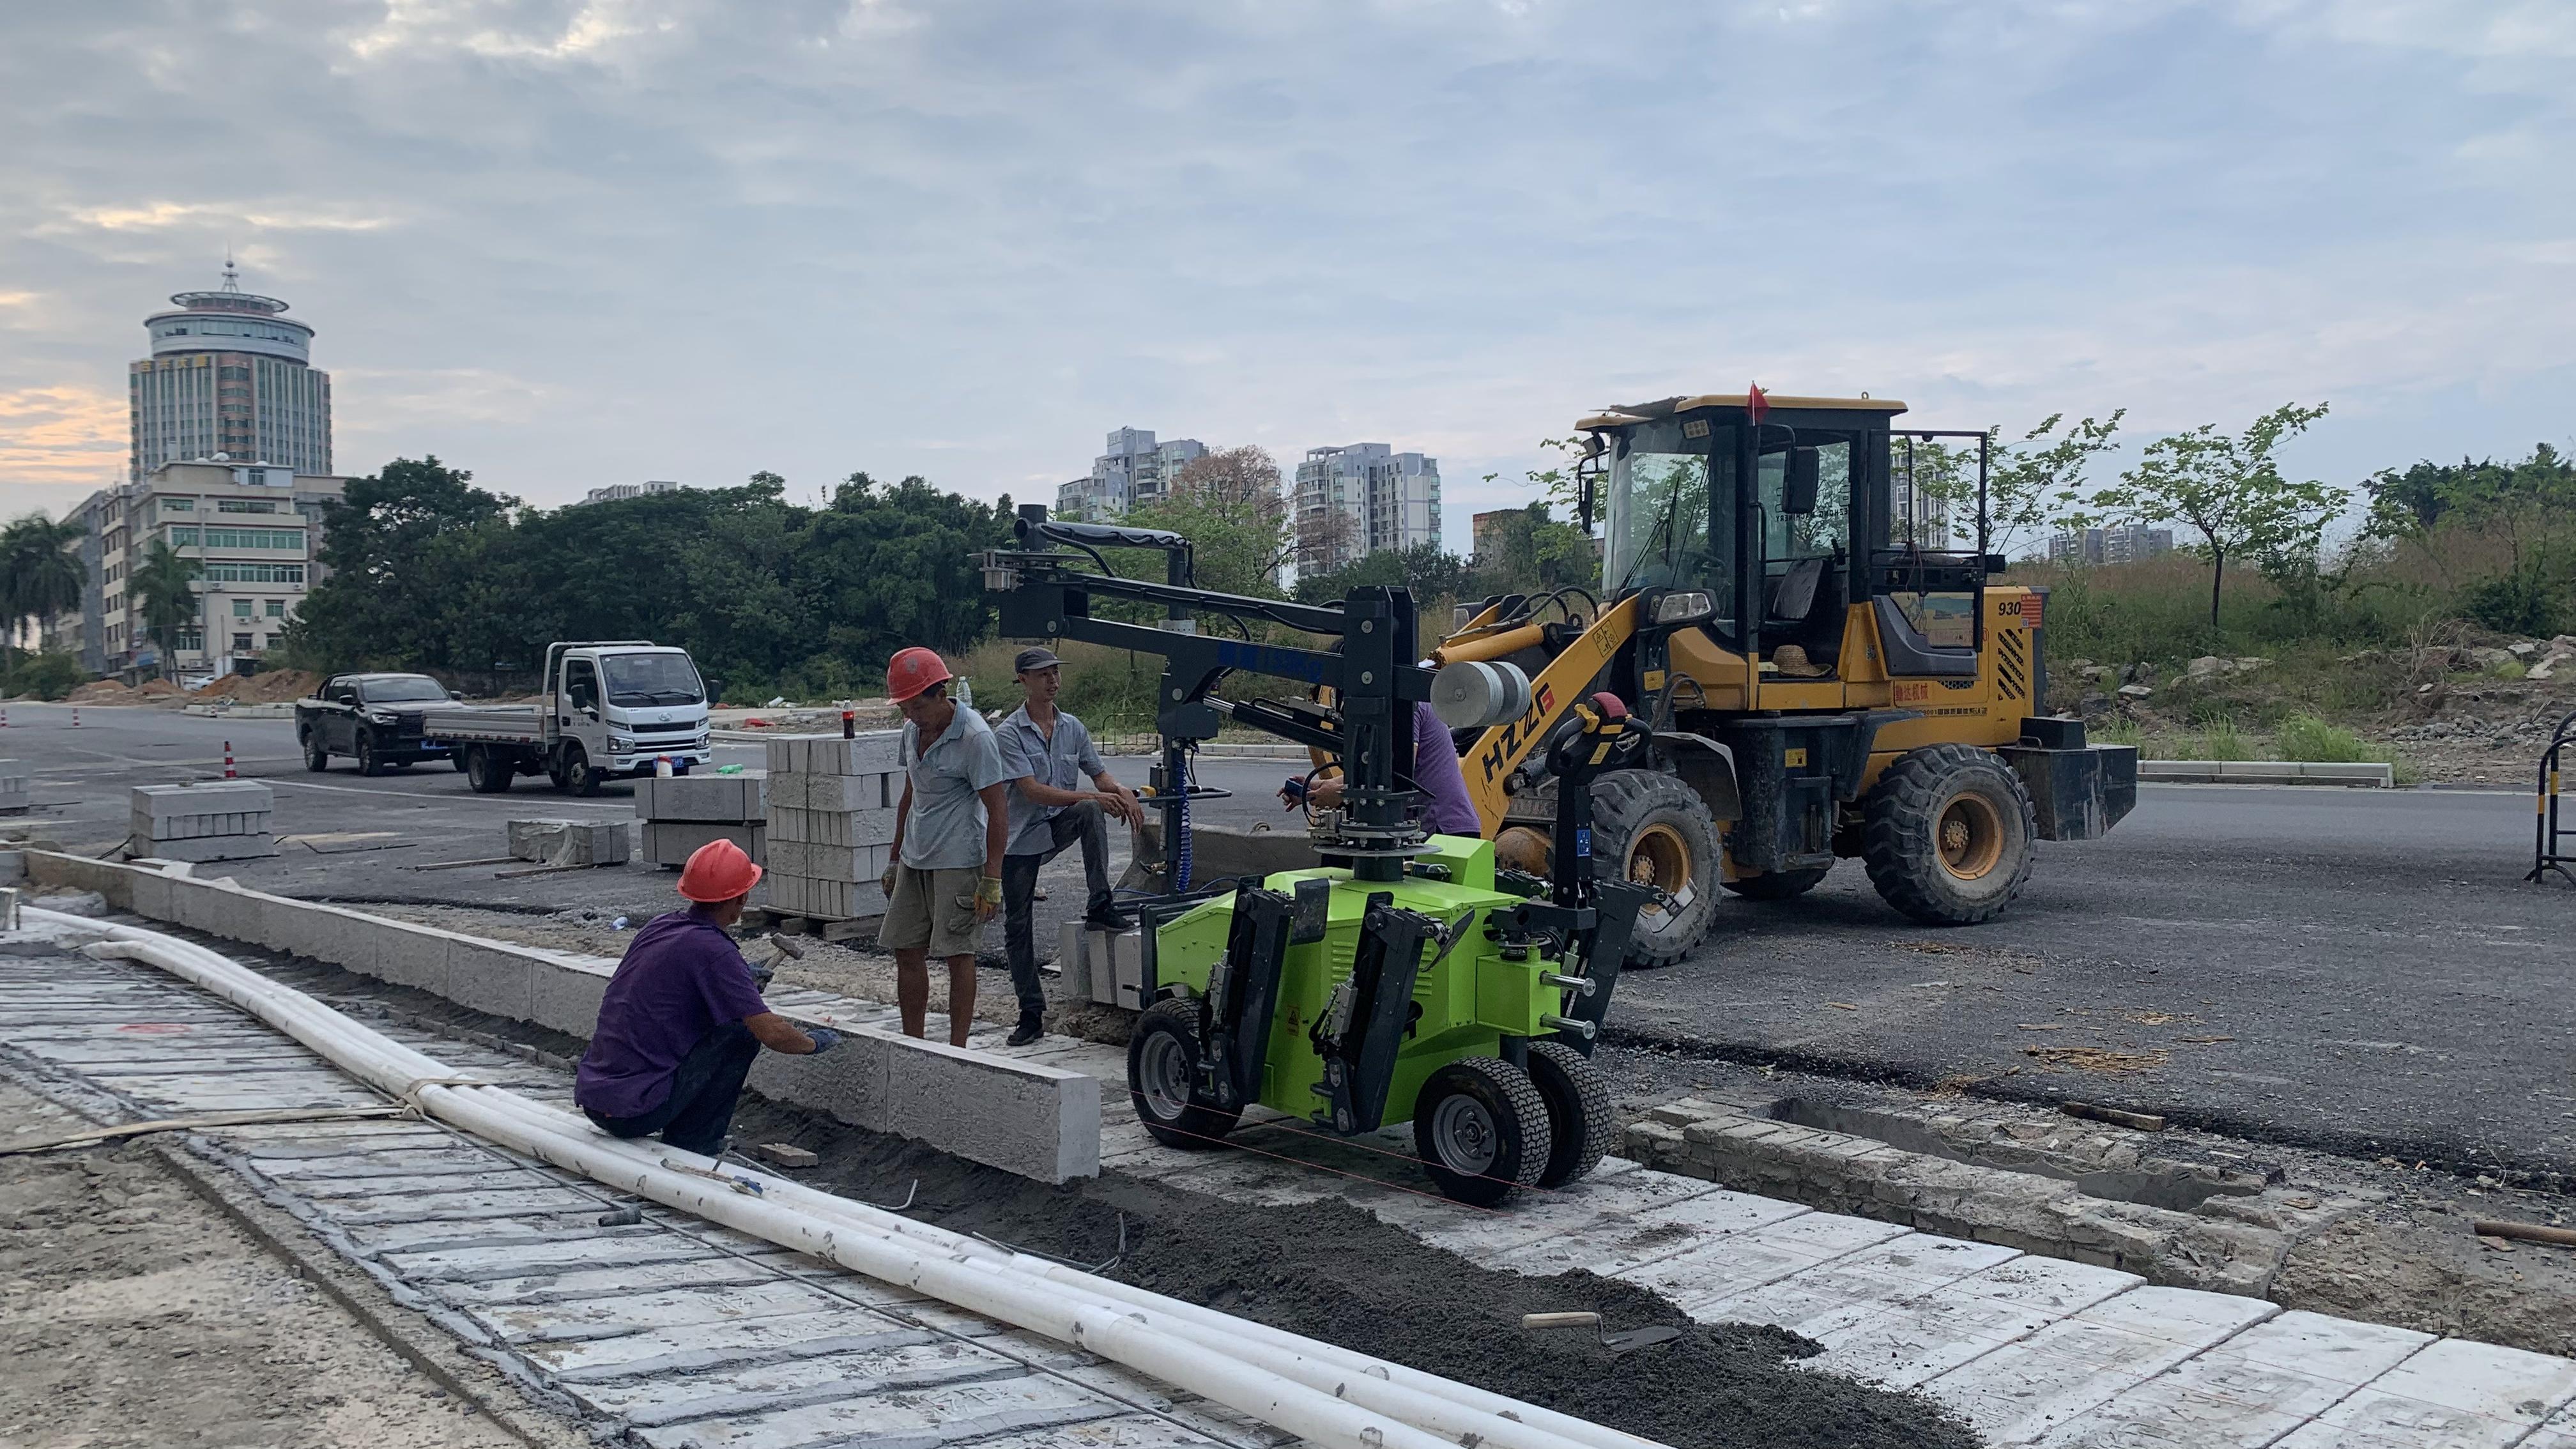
{"x": 374, "y": 718}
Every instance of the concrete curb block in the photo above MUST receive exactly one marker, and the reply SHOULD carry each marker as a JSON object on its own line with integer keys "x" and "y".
{"x": 1037, "y": 1121}
{"x": 2266, "y": 772}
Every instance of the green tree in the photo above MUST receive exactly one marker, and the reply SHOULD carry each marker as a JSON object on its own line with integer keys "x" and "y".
{"x": 2230, "y": 491}
{"x": 405, "y": 547}
{"x": 163, "y": 588}
{"x": 2528, "y": 507}
{"x": 40, "y": 576}
{"x": 1528, "y": 551}
{"x": 1229, "y": 505}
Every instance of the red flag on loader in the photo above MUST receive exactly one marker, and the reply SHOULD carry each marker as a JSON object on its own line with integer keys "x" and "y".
{"x": 1756, "y": 402}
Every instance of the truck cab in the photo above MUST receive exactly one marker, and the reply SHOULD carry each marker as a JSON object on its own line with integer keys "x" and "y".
{"x": 613, "y": 709}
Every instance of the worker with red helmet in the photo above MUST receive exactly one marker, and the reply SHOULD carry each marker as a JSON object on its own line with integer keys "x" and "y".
{"x": 949, "y": 832}
{"x": 682, "y": 1018}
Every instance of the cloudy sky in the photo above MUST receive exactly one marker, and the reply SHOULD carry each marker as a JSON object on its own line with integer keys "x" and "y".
{"x": 573, "y": 242}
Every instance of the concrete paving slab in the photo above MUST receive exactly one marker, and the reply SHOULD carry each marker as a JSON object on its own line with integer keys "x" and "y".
{"x": 609, "y": 1317}
{"x": 698, "y": 1347}
{"x": 1746, "y": 1260}
{"x": 1850, "y": 1290}
{"x": 492, "y": 978}
{"x": 1691, "y": 1224}
{"x": 981, "y": 1412}
{"x": 2249, "y": 1390}
{"x": 2452, "y": 1394}
{"x": 1916, "y": 1340}
{"x": 2025, "y": 1390}
{"x": 804, "y": 1381}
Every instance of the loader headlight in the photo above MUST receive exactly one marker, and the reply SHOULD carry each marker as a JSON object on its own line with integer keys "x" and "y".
{"x": 1683, "y": 608}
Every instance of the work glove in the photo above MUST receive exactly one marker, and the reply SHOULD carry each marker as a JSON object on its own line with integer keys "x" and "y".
{"x": 988, "y": 896}
{"x": 824, "y": 1039}
{"x": 887, "y": 880}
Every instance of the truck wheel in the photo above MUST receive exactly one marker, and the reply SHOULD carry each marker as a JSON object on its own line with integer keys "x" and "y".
{"x": 316, "y": 758}
{"x": 368, "y": 763}
{"x": 1655, "y": 830}
{"x": 1579, "y": 1125}
{"x": 484, "y": 774}
{"x": 1778, "y": 885}
{"x": 576, "y": 776}
{"x": 1162, "y": 1066}
{"x": 1482, "y": 1130}
{"x": 1950, "y": 835}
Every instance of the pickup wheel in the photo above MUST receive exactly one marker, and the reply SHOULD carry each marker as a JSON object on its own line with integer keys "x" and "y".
{"x": 368, "y": 761}
{"x": 316, "y": 758}
{"x": 484, "y": 774}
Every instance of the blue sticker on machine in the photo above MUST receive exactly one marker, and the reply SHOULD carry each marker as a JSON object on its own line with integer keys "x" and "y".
{"x": 1582, "y": 842}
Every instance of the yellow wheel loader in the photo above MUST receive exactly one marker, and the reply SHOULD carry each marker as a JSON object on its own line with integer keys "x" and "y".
{"x": 1827, "y": 674}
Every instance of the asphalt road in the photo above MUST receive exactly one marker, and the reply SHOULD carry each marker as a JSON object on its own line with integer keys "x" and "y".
{"x": 2360, "y": 971}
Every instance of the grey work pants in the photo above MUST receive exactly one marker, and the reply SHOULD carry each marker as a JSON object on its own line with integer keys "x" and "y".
{"x": 1084, "y": 824}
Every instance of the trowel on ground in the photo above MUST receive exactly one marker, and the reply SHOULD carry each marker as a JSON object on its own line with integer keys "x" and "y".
{"x": 1626, "y": 1340}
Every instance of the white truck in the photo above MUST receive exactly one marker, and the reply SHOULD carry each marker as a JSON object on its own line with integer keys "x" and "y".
{"x": 611, "y": 708}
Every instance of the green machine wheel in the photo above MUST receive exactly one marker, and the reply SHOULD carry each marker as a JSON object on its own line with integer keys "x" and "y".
{"x": 1482, "y": 1129}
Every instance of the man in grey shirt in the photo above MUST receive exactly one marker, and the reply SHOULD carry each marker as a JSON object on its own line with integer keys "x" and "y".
{"x": 1048, "y": 754}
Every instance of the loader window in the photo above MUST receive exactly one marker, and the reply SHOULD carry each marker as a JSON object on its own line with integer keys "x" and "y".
{"x": 1661, "y": 529}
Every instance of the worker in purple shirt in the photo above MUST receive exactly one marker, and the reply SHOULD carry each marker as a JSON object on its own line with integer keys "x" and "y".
{"x": 1447, "y": 810}
{"x": 682, "y": 1018}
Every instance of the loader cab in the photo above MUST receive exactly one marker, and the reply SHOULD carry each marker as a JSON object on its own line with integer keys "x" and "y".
{"x": 1755, "y": 531}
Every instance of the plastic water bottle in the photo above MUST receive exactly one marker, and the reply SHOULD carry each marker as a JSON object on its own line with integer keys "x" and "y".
{"x": 618, "y": 925}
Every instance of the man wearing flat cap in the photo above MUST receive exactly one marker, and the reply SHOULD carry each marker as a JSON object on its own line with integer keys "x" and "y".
{"x": 1048, "y": 754}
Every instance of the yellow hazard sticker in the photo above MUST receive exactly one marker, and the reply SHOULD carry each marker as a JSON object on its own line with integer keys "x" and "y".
{"x": 1795, "y": 757}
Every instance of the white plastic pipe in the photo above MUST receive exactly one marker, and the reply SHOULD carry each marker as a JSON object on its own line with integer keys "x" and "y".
{"x": 1303, "y": 1386}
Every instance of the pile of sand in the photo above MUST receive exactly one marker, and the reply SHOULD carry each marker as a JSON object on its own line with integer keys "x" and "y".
{"x": 103, "y": 691}
{"x": 275, "y": 687}
{"x": 158, "y": 688}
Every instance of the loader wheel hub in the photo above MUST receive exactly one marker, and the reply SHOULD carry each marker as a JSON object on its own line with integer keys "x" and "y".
{"x": 1971, "y": 837}
{"x": 1659, "y": 857}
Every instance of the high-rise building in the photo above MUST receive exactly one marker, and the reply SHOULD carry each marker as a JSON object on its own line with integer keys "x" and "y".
{"x": 620, "y": 492}
{"x": 1134, "y": 471}
{"x": 2123, "y": 543}
{"x": 1358, "y": 498}
{"x": 254, "y": 532}
{"x": 228, "y": 380}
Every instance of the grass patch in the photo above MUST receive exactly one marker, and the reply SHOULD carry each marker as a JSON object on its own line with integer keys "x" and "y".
{"x": 2308, "y": 738}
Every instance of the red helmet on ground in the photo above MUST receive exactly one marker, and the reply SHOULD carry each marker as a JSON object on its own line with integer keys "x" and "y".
{"x": 718, "y": 871}
{"x": 912, "y": 671}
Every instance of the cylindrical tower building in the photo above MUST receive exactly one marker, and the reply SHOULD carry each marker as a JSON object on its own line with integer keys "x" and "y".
{"x": 228, "y": 376}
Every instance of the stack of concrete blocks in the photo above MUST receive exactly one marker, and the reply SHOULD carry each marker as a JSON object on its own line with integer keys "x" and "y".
{"x": 1105, "y": 968}
{"x": 15, "y": 797}
{"x": 570, "y": 842}
{"x": 685, "y": 812}
{"x": 831, "y": 822}
{"x": 207, "y": 820}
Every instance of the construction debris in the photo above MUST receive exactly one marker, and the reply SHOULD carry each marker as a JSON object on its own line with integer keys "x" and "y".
{"x": 2137, "y": 1121}
{"x": 570, "y": 842}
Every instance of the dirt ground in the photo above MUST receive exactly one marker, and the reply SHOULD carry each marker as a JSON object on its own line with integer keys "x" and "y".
{"x": 133, "y": 1314}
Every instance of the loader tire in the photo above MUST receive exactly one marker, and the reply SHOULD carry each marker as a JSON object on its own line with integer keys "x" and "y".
{"x": 1778, "y": 885}
{"x": 1482, "y": 1129}
{"x": 1949, "y": 836}
{"x": 1652, "y": 829}
{"x": 1163, "y": 1055}
{"x": 1579, "y": 1124}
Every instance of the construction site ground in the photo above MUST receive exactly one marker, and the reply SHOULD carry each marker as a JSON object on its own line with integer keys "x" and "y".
{"x": 2331, "y": 985}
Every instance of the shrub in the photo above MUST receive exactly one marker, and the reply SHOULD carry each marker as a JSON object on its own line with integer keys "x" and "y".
{"x": 47, "y": 676}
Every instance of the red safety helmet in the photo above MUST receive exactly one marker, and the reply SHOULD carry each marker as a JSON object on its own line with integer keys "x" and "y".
{"x": 913, "y": 670}
{"x": 718, "y": 871}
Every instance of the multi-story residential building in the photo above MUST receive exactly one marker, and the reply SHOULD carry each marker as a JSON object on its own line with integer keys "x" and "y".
{"x": 228, "y": 378}
{"x": 1134, "y": 472}
{"x": 1358, "y": 498}
{"x": 2125, "y": 543}
{"x": 620, "y": 492}
{"x": 254, "y": 531}
{"x": 1486, "y": 528}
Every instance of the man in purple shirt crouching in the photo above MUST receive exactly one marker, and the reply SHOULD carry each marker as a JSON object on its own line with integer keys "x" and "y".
{"x": 683, "y": 1017}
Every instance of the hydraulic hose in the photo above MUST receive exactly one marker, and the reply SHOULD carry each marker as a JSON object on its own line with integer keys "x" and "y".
{"x": 1315, "y": 1390}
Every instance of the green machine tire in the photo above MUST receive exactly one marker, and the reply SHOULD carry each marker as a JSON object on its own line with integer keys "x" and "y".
{"x": 1481, "y": 1126}
{"x": 1579, "y": 1123}
{"x": 1163, "y": 1056}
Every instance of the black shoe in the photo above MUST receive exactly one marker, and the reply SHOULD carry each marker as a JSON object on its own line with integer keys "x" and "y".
{"x": 1108, "y": 917}
{"x": 1031, "y": 1027}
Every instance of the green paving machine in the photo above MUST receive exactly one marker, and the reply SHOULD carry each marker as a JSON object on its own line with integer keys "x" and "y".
{"x": 1407, "y": 978}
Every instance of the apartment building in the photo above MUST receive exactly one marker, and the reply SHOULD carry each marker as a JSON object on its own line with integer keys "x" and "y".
{"x": 1134, "y": 471}
{"x": 1354, "y": 499}
{"x": 2125, "y": 543}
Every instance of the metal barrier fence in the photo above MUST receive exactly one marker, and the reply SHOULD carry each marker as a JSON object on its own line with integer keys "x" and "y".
{"x": 2548, "y": 836}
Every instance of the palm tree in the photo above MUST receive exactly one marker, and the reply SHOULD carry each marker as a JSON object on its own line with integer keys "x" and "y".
{"x": 163, "y": 597}
{"x": 40, "y": 576}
